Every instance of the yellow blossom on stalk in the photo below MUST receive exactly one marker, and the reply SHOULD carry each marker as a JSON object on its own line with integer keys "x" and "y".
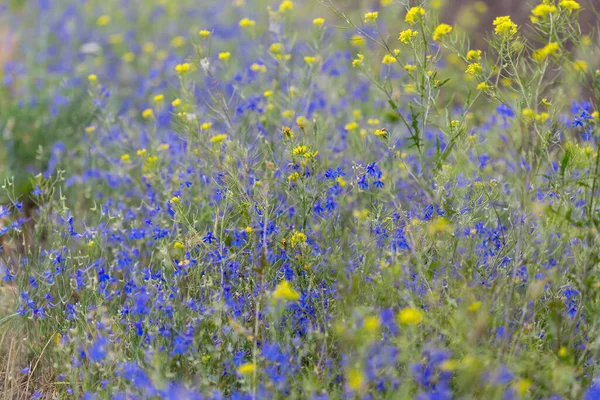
{"x": 371, "y": 16}
{"x": 181, "y": 68}
{"x": 410, "y": 316}
{"x": 410, "y": 68}
{"x": 176, "y": 103}
{"x": 301, "y": 121}
{"x": 527, "y": 113}
{"x": 372, "y": 323}
{"x": 341, "y": 181}
{"x": 318, "y": 21}
{"x": 385, "y": 3}
{"x": 357, "y": 40}
{"x": 175, "y": 200}
{"x": 310, "y": 60}
{"x": 103, "y": 20}
{"x": 382, "y": 133}
{"x": 474, "y": 69}
{"x": 351, "y": 126}
{"x": 562, "y": 352}
{"x": 542, "y": 117}
{"x": 355, "y": 379}
{"x": 373, "y": 121}
{"x": 218, "y": 138}
{"x": 57, "y": 338}
{"x": 569, "y": 5}
{"x": 413, "y": 15}
{"x": 92, "y": 78}
{"x": 163, "y": 146}
{"x": 293, "y": 176}
{"x": 441, "y": 30}
{"x": 268, "y": 93}
{"x": 523, "y": 386}
{"x": 297, "y": 238}
{"x": 474, "y": 306}
{"x": 358, "y": 61}
{"x": 288, "y": 114}
{"x": 159, "y": 97}
{"x": 388, "y": 59}
{"x": 483, "y": 86}
{"x": 298, "y": 151}
{"x": 204, "y": 33}
{"x": 246, "y": 369}
{"x": 125, "y": 158}
{"x": 178, "y": 245}
{"x": 90, "y": 129}
{"x": 285, "y": 6}
{"x": 224, "y": 56}
{"x": 141, "y": 152}
{"x": 547, "y": 50}
{"x": 504, "y": 26}
{"x": 147, "y": 113}
{"x": 247, "y": 23}
{"x": 206, "y": 125}
{"x": 285, "y": 292}
{"x": 178, "y": 41}
{"x": 448, "y": 365}
{"x": 580, "y": 65}
{"x": 258, "y": 68}
{"x": 543, "y": 10}
{"x": 407, "y": 36}
{"x": 276, "y": 48}
{"x": 474, "y": 55}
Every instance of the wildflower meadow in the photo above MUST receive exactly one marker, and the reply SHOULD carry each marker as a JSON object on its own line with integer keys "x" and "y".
{"x": 307, "y": 199}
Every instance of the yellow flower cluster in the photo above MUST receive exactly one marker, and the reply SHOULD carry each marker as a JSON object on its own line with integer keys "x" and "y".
{"x": 407, "y": 36}
{"x": 474, "y": 69}
{"x": 441, "y": 31}
{"x": 544, "y": 52}
{"x": 504, "y": 26}
{"x": 285, "y": 292}
{"x": 414, "y": 14}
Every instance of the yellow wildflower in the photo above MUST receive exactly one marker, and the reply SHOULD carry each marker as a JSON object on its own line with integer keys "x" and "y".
{"x": 247, "y": 23}
{"x": 176, "y": 103}
{"x": 372, "y": 323}
{"x": 92, "y": 78}
{"x": 178, "y": 41}
{"x": 318, "y": 21}
{"x": 355, "y": 379}
{"x": 543, "y": 10}
{"x": 351, "y": 126}
{"x": 474, "y": 55}
{"x": 285, "y": 292}
{"x": 103, "y": 20}
{"x": 224, "y": 56}
{"x": 285, "y": 6}
{"x": 410, "y": 316}
{"x": 147, "y": 113}
{"x": 406, "y": 36}
{"x": 371, "y": 16}
{"x": 474, "y": 306}
{"x": 159, "y": 97}
{"x": 218, "y": 138}
{"x": 178, "y": 245}
{"x": 297, "y": 238}
{"x": 569, "y": 5}
{"x": 483, "y": 86}
{"x": 204, "y": 33}
{"x": 504, "y": 26}
{"x": 357, "y": 40}
{"x": 413, "y": 15}
{"x": 276, "y": 48}
{"x": 181, "y": 68}
{"x": 474, "y": 69}
{"x": 358, "y": 61}
{"x": 441, "y": 31}
{"x": 246, "y": 369}
{"x": 388, "y": 59}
